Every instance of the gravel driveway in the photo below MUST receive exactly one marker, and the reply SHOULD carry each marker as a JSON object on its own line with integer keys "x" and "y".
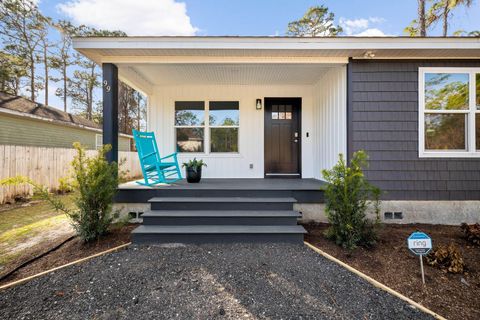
{"x": 231, "y": 281}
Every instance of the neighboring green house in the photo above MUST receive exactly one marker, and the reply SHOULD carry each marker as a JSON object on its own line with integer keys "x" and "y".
{"x": 24, "y": 122}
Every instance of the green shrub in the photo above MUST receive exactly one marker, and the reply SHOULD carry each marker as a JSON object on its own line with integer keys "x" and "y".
{"x": 64, "y": 185}
{"x": 348, "y": 195}
{"x": 94, "y": 183}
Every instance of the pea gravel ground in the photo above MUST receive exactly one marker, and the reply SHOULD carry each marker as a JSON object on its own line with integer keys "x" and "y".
{"x": 221, "y": 281}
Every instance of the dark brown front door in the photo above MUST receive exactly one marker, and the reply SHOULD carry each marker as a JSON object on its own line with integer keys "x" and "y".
{"x": 282, "y": 137}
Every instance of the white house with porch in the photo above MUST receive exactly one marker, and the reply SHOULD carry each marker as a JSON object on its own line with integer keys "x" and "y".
{"x": 255, "y": 108}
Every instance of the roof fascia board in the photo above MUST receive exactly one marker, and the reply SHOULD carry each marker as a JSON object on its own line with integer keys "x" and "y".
{"x": 275, "y": 43}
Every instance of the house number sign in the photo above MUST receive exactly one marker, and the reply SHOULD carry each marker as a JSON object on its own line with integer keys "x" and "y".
{"x": 106, "y": 85}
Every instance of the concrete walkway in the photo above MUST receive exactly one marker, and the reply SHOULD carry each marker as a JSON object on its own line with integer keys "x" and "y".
{"x": 234, "y": 281}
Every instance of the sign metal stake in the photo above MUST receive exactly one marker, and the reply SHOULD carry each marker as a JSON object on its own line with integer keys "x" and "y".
{"x": 421, "y": 268}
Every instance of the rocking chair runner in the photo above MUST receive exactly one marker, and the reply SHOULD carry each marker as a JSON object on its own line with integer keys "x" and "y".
{"x": 155, "y": 169}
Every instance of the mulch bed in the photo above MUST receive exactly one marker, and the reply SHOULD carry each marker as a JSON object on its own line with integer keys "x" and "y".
{"x": 391, "y": 263}
{"x": 70, "y": 251}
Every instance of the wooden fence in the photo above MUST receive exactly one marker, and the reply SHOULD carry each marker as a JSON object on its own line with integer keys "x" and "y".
{"x": 46, "y": 166}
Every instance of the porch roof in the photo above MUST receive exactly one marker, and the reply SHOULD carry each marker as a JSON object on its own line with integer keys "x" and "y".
{"x": 144, "y": 62}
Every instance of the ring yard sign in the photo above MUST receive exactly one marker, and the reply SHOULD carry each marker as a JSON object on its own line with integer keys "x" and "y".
{"x": 420, "y": 244}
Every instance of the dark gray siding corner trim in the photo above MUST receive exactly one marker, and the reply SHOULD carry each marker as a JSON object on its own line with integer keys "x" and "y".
{"x": 383, "y": 121}
{"x": 349, "y": 111}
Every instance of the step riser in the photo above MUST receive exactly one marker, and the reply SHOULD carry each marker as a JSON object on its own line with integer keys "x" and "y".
{"x": 189, "y": 221}
{"x": 216, "y": 238}
{"x": 221, "y": 206}
{"x": 142, "y": 196}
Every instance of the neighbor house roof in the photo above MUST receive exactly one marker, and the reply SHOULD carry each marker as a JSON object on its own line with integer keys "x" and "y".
{"x": 19, "y": 106}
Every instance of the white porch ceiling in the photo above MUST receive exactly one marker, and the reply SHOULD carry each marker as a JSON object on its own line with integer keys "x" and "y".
{"x": 229, "y": 74}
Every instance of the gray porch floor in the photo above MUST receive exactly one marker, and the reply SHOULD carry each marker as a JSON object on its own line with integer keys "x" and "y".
{"x": 235, "y": 184}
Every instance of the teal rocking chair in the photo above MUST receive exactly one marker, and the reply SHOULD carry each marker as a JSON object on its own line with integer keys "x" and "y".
{"x": 155, "y": 169}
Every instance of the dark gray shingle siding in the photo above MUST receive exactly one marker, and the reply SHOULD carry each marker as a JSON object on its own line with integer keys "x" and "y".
{"x": 384, "y": 122}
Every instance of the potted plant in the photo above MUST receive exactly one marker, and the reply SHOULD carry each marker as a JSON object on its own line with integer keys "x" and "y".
{"x": 193, "y": 169}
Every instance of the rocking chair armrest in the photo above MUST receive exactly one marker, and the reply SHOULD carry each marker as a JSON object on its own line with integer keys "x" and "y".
{"x": 173, "y": 155}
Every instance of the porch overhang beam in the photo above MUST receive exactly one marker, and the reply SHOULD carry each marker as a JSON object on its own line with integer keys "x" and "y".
{"x": 223, "y": 59}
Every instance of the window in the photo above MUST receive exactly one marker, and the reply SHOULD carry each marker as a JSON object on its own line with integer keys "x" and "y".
{"x": 449, "y": 112}
{"x": 223, "y": 121}
{"x": 190, "y": 126}
{"x": 98, "y": 141}
{"x": 222, "y": 126}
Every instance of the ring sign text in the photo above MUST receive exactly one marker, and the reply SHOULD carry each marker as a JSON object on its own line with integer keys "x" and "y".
{"x": 419, "y": 243}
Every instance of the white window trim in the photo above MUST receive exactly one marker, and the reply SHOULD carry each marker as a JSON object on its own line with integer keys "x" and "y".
{"x": 97, "y": 145}
{"x": 206, "y": 133}
{"x": 471, "y": 151}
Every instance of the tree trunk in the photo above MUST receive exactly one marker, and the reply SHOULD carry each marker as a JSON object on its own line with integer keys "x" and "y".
{"x": 138, "y": 112}
{"x": 421, "y": 18}
{"x": 45, "y": 65}
{"x": 64, "y": 74}
{"x": 32, "y": 79}
{"x": 446, "y": 12}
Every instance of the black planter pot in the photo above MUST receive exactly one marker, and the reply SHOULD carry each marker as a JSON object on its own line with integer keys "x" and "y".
{"x": 194, "y": 175}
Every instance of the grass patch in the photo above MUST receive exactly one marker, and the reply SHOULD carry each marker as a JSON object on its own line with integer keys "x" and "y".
{"x": 28, "y": 214}
{"x": 24, "y": 227}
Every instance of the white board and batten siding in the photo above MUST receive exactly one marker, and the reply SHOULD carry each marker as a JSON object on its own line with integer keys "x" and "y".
{"x": 330, "y": 117}
{"x": 323, "y": 117}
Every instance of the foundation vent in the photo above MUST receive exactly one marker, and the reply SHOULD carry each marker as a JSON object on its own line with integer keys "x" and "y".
{"x": 398, "y": 215}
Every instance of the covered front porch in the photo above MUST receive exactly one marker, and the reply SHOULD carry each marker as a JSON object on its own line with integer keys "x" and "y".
{"x": 257, "y": 113}
{"x": 266, "y": 121}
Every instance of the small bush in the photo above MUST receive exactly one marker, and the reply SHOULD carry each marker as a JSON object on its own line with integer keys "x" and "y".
{"x": 448, "y": 258}
{"x": 64, "y": 185}
{"x": 471, "y": 232}
{"x": 348, "y": 194}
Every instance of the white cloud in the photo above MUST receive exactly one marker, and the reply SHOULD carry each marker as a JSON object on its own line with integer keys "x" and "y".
{"x": 372, "y": 32}
{"x": 362, "y": 27}
{"x": 140, "y": 17}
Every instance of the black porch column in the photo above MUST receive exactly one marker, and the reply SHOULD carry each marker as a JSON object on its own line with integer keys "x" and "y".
{"x": 110, "y": 109}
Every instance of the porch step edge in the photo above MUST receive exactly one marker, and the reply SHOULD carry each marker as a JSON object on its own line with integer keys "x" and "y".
{"x": 219, "y": 229}
{"x": 223, "y": 199}
{"x": 222, "y": 213}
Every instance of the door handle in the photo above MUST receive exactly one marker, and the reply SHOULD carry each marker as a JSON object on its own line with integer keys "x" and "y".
{"x": 296, "y": 140}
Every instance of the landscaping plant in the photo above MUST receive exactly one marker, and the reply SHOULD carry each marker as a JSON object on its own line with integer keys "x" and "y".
{"x": 448, "y": 258}
{"x": 471, "y": 232}
{"x": 194, "y": 164}
{"x": 94, "y": 184}
{"x": 348, "y": 195}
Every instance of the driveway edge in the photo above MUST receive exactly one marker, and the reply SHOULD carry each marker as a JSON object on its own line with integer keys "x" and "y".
{"x": 374, "y": 282}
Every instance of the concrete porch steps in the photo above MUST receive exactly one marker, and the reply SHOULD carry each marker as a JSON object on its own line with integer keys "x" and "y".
{"x": 219, "y": 219}
{"x": 217, "y": 233}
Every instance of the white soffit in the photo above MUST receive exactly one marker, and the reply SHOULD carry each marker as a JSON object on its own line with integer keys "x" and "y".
{"x": 229, "y": 74}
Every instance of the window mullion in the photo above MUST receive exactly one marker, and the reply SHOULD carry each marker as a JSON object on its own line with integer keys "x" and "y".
{"x": 471, "y": 115}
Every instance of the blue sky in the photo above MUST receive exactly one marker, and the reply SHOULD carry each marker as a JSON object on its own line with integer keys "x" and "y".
{"x": 242, "y": 17}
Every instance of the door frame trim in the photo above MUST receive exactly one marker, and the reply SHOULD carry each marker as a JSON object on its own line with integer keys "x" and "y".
{"x": 287, "y": 175}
